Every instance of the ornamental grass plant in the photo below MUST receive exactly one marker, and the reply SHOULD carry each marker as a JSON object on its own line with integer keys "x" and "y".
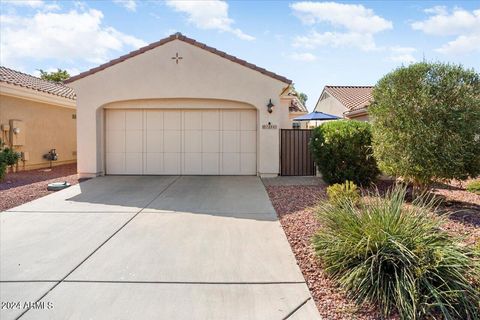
{"x": 396, "y": 256}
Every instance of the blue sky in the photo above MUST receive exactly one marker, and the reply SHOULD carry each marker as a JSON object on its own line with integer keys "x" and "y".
{"x": 312, "y": 43}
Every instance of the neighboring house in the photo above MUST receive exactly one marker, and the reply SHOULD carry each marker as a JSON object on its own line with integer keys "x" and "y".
{"x": 349, "y": 102}
{"x": 37, "y": 116}
{"x": 180, "y": 107}
{"x": 296, "y": 109}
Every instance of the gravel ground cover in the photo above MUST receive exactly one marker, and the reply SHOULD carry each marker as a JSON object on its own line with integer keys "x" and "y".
{"x": 295, "y": 206}
{"x": 24, "y": 186}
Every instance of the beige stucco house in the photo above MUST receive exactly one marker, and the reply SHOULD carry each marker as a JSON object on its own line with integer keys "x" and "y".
{"x": 37, "y": 116}
{"x": 178, "y": 106}
{"x": 349, "y": 102}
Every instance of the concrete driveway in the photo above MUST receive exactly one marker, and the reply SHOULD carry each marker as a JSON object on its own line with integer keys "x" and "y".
{"x": 125, "y": 247}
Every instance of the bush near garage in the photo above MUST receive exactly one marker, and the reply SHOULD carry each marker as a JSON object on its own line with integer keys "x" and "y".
{"x": 397, "y": 257}
{"x": 426, "y": 123}
{"x": 342, "y": 151}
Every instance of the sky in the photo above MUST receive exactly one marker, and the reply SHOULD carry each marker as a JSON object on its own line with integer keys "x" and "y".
{"x": 313, "y": 43}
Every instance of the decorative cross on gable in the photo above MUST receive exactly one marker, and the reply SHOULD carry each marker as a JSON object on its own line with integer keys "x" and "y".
{"x": 177, "y": 58}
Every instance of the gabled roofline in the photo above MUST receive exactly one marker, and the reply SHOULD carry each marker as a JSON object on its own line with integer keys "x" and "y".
{"x": 325, "y": 89}
{"x": 181, "y": 37}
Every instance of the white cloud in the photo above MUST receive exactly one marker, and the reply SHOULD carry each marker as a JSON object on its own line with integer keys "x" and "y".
{"x": 130, "y": 5}
{"x": 444, "y": 24}
{"x": 336, "y": 40}
{"x": 353, "y": 17}
{"x": 463, "y": 24}
{"x": 402, "y": 55}
{"x": 306, "y": 57}
{"x": 66, "y": 37}
{"x": 208, "y": 15}
{"x": 461, "y": 45}
{"x": 357, "y": 25}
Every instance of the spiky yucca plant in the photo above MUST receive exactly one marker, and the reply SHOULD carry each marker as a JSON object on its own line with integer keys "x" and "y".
{"x": 396, "y": 256}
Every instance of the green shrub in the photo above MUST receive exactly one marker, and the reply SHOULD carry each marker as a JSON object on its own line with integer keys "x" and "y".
{"x": 3, "y": 170}
{"x": 474, "y": 186}
{"x": 341, "y": 193}
{"x": 9, "y": 156}
{"x": 426, "y": 123}
{"x": 396, "y": 256}
{"x": 342, "y": 151}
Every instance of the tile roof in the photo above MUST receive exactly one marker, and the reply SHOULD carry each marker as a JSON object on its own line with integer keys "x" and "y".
{"x": 181, "y": 37}
{"x": 352, "y": 97}
{"x": 27, "y": 81}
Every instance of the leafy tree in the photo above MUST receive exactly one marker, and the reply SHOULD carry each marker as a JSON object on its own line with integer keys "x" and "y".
{"x": 426, "y": 123}
{"x": 300, "y": 95}
{"x": 54, "y": 76}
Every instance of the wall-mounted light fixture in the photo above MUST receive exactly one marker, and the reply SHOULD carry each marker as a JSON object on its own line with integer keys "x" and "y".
{"x": 270, "y": 105}
{"x": 16, "y": 130}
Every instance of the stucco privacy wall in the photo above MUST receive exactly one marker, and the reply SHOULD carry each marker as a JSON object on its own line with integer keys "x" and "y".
{"x": 46, "y": 127}
{"x": 154, "y": 75}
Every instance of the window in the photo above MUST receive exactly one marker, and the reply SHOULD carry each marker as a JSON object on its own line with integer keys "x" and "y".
{"x": 296, "y": 125}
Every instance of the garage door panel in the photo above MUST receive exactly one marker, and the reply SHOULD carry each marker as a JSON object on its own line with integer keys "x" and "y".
{"x": 115, "y": 120}
{"x": 134, "y": 141}
{"x": 192, "y": 163}
{"x": 211, "y": 141}
{"x": 172, "y": 120}
{"x": 211, "y": 120}
{"x": 193, "y": 141}
{"x": 153, "y": 120}
{"x": 172, "y": 141}
{"x": 230, "y": 120}
{"x": 153, "y": 163}
{"x": 171, "y": 162}
{"x": 231, "y": 163}
{"x": 154, "y": 141}
{"x": 193, "y": 120}
{"x": 248, "y": 141}
{"x": 133, "y": 163}
{"x": 248, "y": 120}
{"x": 134, "y": 120}
{"x": 116, "y": 141}
{"x": 231, "y": 141}
{"x": 115, "y": 162}
{"x": 211, "y": 163}
{"x": 248, "y": 163}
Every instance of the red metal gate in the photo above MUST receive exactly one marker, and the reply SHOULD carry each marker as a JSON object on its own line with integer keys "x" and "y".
{"x": 295, "y": 156}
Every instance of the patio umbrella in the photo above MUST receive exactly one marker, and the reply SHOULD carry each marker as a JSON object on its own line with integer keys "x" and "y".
{"x": 316, "y": 115}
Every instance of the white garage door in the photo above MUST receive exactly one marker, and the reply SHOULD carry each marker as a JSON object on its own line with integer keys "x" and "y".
{"x": 174, "y": 142}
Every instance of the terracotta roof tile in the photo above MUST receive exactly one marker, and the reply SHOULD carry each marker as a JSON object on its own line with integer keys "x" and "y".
{"x": 352, "y": 97}
{"x": 27, "y": 81}
{"x": 179, "y": 36}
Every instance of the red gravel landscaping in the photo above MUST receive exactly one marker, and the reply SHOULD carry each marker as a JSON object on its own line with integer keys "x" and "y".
{"x": 24, "y": 186}
{"x": 295, "y": 206}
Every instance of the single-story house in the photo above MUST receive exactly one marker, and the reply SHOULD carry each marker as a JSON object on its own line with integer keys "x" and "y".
{"x": 180, "y": 107}
{"x": 37, "y": 116}
{"x": 350, "y": 102}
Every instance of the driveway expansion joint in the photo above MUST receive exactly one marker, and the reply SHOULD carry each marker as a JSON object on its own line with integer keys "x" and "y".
{"x": 189, "y": 282}
{"x": 297, "y": 308}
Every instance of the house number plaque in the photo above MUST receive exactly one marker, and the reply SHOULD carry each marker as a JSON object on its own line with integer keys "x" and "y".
{"x": 269, "y": 126}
